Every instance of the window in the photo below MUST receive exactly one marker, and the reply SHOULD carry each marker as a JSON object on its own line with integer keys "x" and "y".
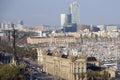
{"x": 75, "y": 70}
{"x": 78, "y": 64}
{"x": 78, "y": 70}
{"x": 83, "y": 70}
{"x": 75, "y": 76}
{"x": 75, "y": 64}
{"x": 79, "y": 76}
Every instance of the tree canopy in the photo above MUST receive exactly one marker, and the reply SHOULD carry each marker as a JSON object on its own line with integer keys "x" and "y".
{"x": 11, "y": 72}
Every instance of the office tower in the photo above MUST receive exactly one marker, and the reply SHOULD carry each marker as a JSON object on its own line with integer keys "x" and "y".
{"x": 20, "y": 25}
{"x": 71, "y": 21}
{"x": 65, "y": 19}
{"x": 4, "y": 25}
{"x": 65, "y": 22}
{"x": 75, "y": 12}
{"x": 20, "y": 22}
{"x": 70, "y": 28}
{"x": 69, "y": 18}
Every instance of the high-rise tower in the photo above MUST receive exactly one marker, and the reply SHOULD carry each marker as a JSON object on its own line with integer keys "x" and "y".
{"x": 20, "y": 22}
{"x": 75, "y": 12}
{"x": 71, "y": 21}
{"x": 65, "y": 19}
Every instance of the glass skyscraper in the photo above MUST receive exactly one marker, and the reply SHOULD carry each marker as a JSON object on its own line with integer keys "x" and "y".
{"x": 75, "y": 12}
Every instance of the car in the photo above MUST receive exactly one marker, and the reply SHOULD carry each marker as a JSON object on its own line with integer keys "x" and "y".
{"x": 33, "y": 67}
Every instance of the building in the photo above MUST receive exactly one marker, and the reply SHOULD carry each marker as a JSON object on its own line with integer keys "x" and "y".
{"x": 75, "y": 12}
{"x": 6, "y": 35}
{"x": 65, "y": 19}
{"x": 62, "y": 39}
{"x": 5, "y": 58}
{"x": 4, "y": 25}
{"x": 20, "y": 22}
{"x": 70, "y": 28}
{"x": 65, "y": 67}
{"x": 108, "y": 28}
{"x": 71, "y": 21}
{"x": 20, "y": 26}
{"x": 66, "y": 24}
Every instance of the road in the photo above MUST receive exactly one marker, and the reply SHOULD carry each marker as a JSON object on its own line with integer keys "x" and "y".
{"x": 35, "y": 71}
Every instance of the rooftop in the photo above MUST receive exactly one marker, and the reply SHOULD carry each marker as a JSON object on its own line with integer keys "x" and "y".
{"x": 91, "y": 59}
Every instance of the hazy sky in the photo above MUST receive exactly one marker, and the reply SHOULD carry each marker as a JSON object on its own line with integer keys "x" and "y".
{"x": 37, "y": 12}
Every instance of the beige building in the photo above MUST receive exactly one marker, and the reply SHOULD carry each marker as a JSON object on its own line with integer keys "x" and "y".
{"x": 64, "y": 67}
{"x": 69, "y": 39}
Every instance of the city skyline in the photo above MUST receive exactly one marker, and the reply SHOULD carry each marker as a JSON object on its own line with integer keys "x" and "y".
{"x": 35, "y": 13}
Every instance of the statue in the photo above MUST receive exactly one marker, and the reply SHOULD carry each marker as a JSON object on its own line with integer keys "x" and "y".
{"x": 14, "y": 60}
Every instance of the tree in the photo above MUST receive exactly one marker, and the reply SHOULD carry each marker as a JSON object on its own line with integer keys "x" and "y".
{"x": 10, "y": 72}
{"x": 95, "y": 75}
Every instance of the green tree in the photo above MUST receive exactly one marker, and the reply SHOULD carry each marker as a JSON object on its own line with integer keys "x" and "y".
{"x": 97, "y": 75}
{"x": 11, "y": 72}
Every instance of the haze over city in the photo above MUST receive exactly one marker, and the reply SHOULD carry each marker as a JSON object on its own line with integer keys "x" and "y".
{"x": 37, "y": 12}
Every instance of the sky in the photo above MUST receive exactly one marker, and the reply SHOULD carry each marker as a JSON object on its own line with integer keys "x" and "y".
{"x": 47, "y": 12}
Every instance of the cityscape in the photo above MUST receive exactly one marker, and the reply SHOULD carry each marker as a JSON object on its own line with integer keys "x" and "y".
{"x": 71, "y": 51}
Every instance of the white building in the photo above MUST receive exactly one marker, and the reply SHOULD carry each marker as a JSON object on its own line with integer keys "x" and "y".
{"x": 65, "y": 19}
{"x": 108, "y": 28}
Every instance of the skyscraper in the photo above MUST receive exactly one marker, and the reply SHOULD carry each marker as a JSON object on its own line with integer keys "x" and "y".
{"x": 75, "y": 12}
{"x": 71, "y": 21}
{"x": 4, "y": 25}
{"x": 65, "y": 19}
{"x": 20, "y": 22}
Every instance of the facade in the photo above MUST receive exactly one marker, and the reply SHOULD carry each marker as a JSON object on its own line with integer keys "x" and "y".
{"x": 108, "y": 28}
{"x": 75, "y": 12}
{"x": 71, "y": 21}
{"x": 70, "y": 28}
{"x": 20, "y": 22}
{"x": 69, "y": 39}
{"x": 4, "y": 25}
{"x": 65, "y": 19}
{"x": 64, "y": 67}
{"x": 5, "y": 58}
{"x": 8, "y": 26}
{"x": 20, "y": 27}
{"x": 7, "y": 35}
